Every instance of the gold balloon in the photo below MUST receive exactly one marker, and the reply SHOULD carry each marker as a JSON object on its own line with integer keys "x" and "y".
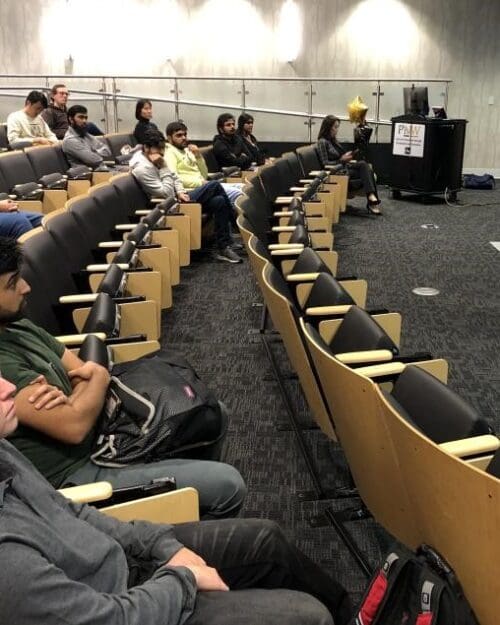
{"x": 357, "y": 110}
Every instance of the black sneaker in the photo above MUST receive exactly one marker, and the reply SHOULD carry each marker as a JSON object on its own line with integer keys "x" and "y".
{"x": 227, "y": 255}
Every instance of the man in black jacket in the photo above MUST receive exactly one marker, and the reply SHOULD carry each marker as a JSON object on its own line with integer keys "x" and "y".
{"x": 229, "y": 147}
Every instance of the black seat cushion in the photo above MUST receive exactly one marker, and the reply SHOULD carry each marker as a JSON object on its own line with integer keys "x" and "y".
{"x": 327, "y": 291}
{"x": 435, "y": 409}
{"x": 360, "y": 332}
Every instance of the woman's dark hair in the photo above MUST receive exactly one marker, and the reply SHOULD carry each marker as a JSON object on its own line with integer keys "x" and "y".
{"x": 243, "y": 119}
{"x": 326, "y": 126}
{"x": 139, "y": 106}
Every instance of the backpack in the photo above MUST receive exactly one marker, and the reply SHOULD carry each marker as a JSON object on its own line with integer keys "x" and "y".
{"x": 414, "y": 589}
{"x": 476, "y": 181}
{"x": 158, "y": 408}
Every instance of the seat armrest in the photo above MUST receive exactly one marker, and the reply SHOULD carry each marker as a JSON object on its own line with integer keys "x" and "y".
{"x": 111, "y": 244}
{"x": 372, "y": 355}
{"x": 283, "y": 214}
{"x": 302, "y": 277}
{"x": 473, "y": 446}
{"x": 105, "y": 266}
{"x": 88, "y": 493}
{"x": 124, "y": 227}
{"x": 80, "y": 298}
{"x": 77, "y": 339}
{"x": 297, "y": 189}
{"x": 287, "y": 251}
{"x": 283, "y": 228}
{"x": 285, "y": 246}
{"x": 323, "y": 311}
{"x": 382, "y": 370}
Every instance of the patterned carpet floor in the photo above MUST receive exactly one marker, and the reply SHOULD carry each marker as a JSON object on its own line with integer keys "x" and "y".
{"x": 214, "y": 319}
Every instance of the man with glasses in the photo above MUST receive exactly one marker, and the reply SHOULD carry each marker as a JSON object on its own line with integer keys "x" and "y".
{"x": 56, "y": 114}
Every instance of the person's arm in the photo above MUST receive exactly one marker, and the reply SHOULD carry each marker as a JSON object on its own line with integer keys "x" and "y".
{"x": 168, "y": 597}
{"x": 202, "y": 166}
{"x": 224, "y": 156}
{"x": 324, "y": 154}
{"x": 47, "y": 132}
{"x": 101, "y": 147}
{"x": 72, "y": 421}
{"x": 171, "y": 160}
{"x": 156, "y": 182}
{"x": 76, "y": 149}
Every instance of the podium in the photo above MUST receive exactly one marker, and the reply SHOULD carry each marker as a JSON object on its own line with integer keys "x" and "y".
{"x": 427, "y": 155}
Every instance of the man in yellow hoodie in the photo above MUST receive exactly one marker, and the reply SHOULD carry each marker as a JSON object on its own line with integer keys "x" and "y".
{"x": 186, "y": 160}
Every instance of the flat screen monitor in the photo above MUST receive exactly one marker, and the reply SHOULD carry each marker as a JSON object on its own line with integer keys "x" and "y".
{"x": 416, "y": 100}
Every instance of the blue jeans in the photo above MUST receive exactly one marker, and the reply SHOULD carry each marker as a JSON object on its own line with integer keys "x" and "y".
{"x": 15, "y": 224}
{"x": 214, "y": 201}
{"x": 220, "y": 487}
{"x": 233, "y": 191}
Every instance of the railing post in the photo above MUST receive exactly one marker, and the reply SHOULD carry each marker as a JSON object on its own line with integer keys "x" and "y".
{"x": 175, "y": 91}
{"x": 310, "y": 93}
{"x": 377, "y": 93}
{"x": 115, "y": 104}
{"x": 104, "y": 104}
{"x": 243, "y": 94}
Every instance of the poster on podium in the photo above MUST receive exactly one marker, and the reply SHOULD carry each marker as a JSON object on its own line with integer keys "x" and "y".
{"x": 409, "y": 139}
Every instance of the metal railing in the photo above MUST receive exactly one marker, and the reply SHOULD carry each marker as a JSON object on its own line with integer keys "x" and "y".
{"x": 311, "y": 98}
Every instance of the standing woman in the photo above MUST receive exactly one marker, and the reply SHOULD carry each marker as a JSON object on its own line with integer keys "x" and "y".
{"x": 245, "y": 129}
{"x": 331, "y": 152}
{"x": 143, "y": 115}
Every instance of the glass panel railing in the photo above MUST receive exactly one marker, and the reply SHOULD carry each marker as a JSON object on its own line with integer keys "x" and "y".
{"x": 283, "y": 95}
{"x": 129, "y": 90}
{"x": 392, "y": 99}
{"x": 202, "y": 121}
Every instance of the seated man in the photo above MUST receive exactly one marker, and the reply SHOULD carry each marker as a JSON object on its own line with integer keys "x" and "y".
{"x": 65, "y": 562}
{"x": 151, "y": 171}
{"x": 13, "y": 222}
{"x": 60, "y": 398}
{"x": 79, "y": 146}
{"x": 27, "y": 127}
{"x": 56, "y": 114}
{"x": 229, "y": 147}
{"x": 186, "y": 160}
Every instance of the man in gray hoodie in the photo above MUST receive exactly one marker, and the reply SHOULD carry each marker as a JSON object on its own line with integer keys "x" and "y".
{"x": 79, "y": 146}
{"x": 151, "y": 171}
{"x": 68, "y": 563}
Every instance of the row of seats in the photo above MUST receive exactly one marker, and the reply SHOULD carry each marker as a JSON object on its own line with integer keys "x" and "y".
{"x": 424, "y": 462}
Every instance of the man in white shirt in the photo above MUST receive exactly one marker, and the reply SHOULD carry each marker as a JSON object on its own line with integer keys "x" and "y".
{"x": 27, "y": 127}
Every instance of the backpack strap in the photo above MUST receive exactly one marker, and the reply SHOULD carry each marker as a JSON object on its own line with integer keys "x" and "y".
{"x": 427, "y": 604}
{"x": 376, "y": 593}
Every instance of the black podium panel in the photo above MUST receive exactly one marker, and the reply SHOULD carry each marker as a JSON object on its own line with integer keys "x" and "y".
{"x": 427, "y": 154}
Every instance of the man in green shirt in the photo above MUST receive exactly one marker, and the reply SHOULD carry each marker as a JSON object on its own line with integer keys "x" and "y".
{"x": 186, "y": 160}
{"x": 60, "y": 398}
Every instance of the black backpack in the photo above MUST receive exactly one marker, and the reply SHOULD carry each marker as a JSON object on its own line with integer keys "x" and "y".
{"x": 414, "y": 589}
{"x": 158, "y": 408}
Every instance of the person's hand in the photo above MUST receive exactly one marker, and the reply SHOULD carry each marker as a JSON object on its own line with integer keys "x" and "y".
{"x": 195, "y": 150}
{"x": 88, "y": 370}
{"x": 45, "y": 395}
{"x": 346, "y": 157}
{"x": 8, "y": 206}
{"x": 41, "y": 141}
{"x": 207, "y": 578}
{"x": 186, "y": 557}
{"x": 183, "y": 197}
{"x": 157, "y": 160}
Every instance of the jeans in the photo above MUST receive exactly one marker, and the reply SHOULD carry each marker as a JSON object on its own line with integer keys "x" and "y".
{"x": 233, "y": 191}
{"x": 268, "y": 577}
{"x": 215, "y": 202}
{"x": 220, "y": 487}
{"x": 15, "y": 224}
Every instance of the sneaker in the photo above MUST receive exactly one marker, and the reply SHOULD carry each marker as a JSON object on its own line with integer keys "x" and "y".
{"x": 227, "y": 255}
{"x": 236, "y": 246}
